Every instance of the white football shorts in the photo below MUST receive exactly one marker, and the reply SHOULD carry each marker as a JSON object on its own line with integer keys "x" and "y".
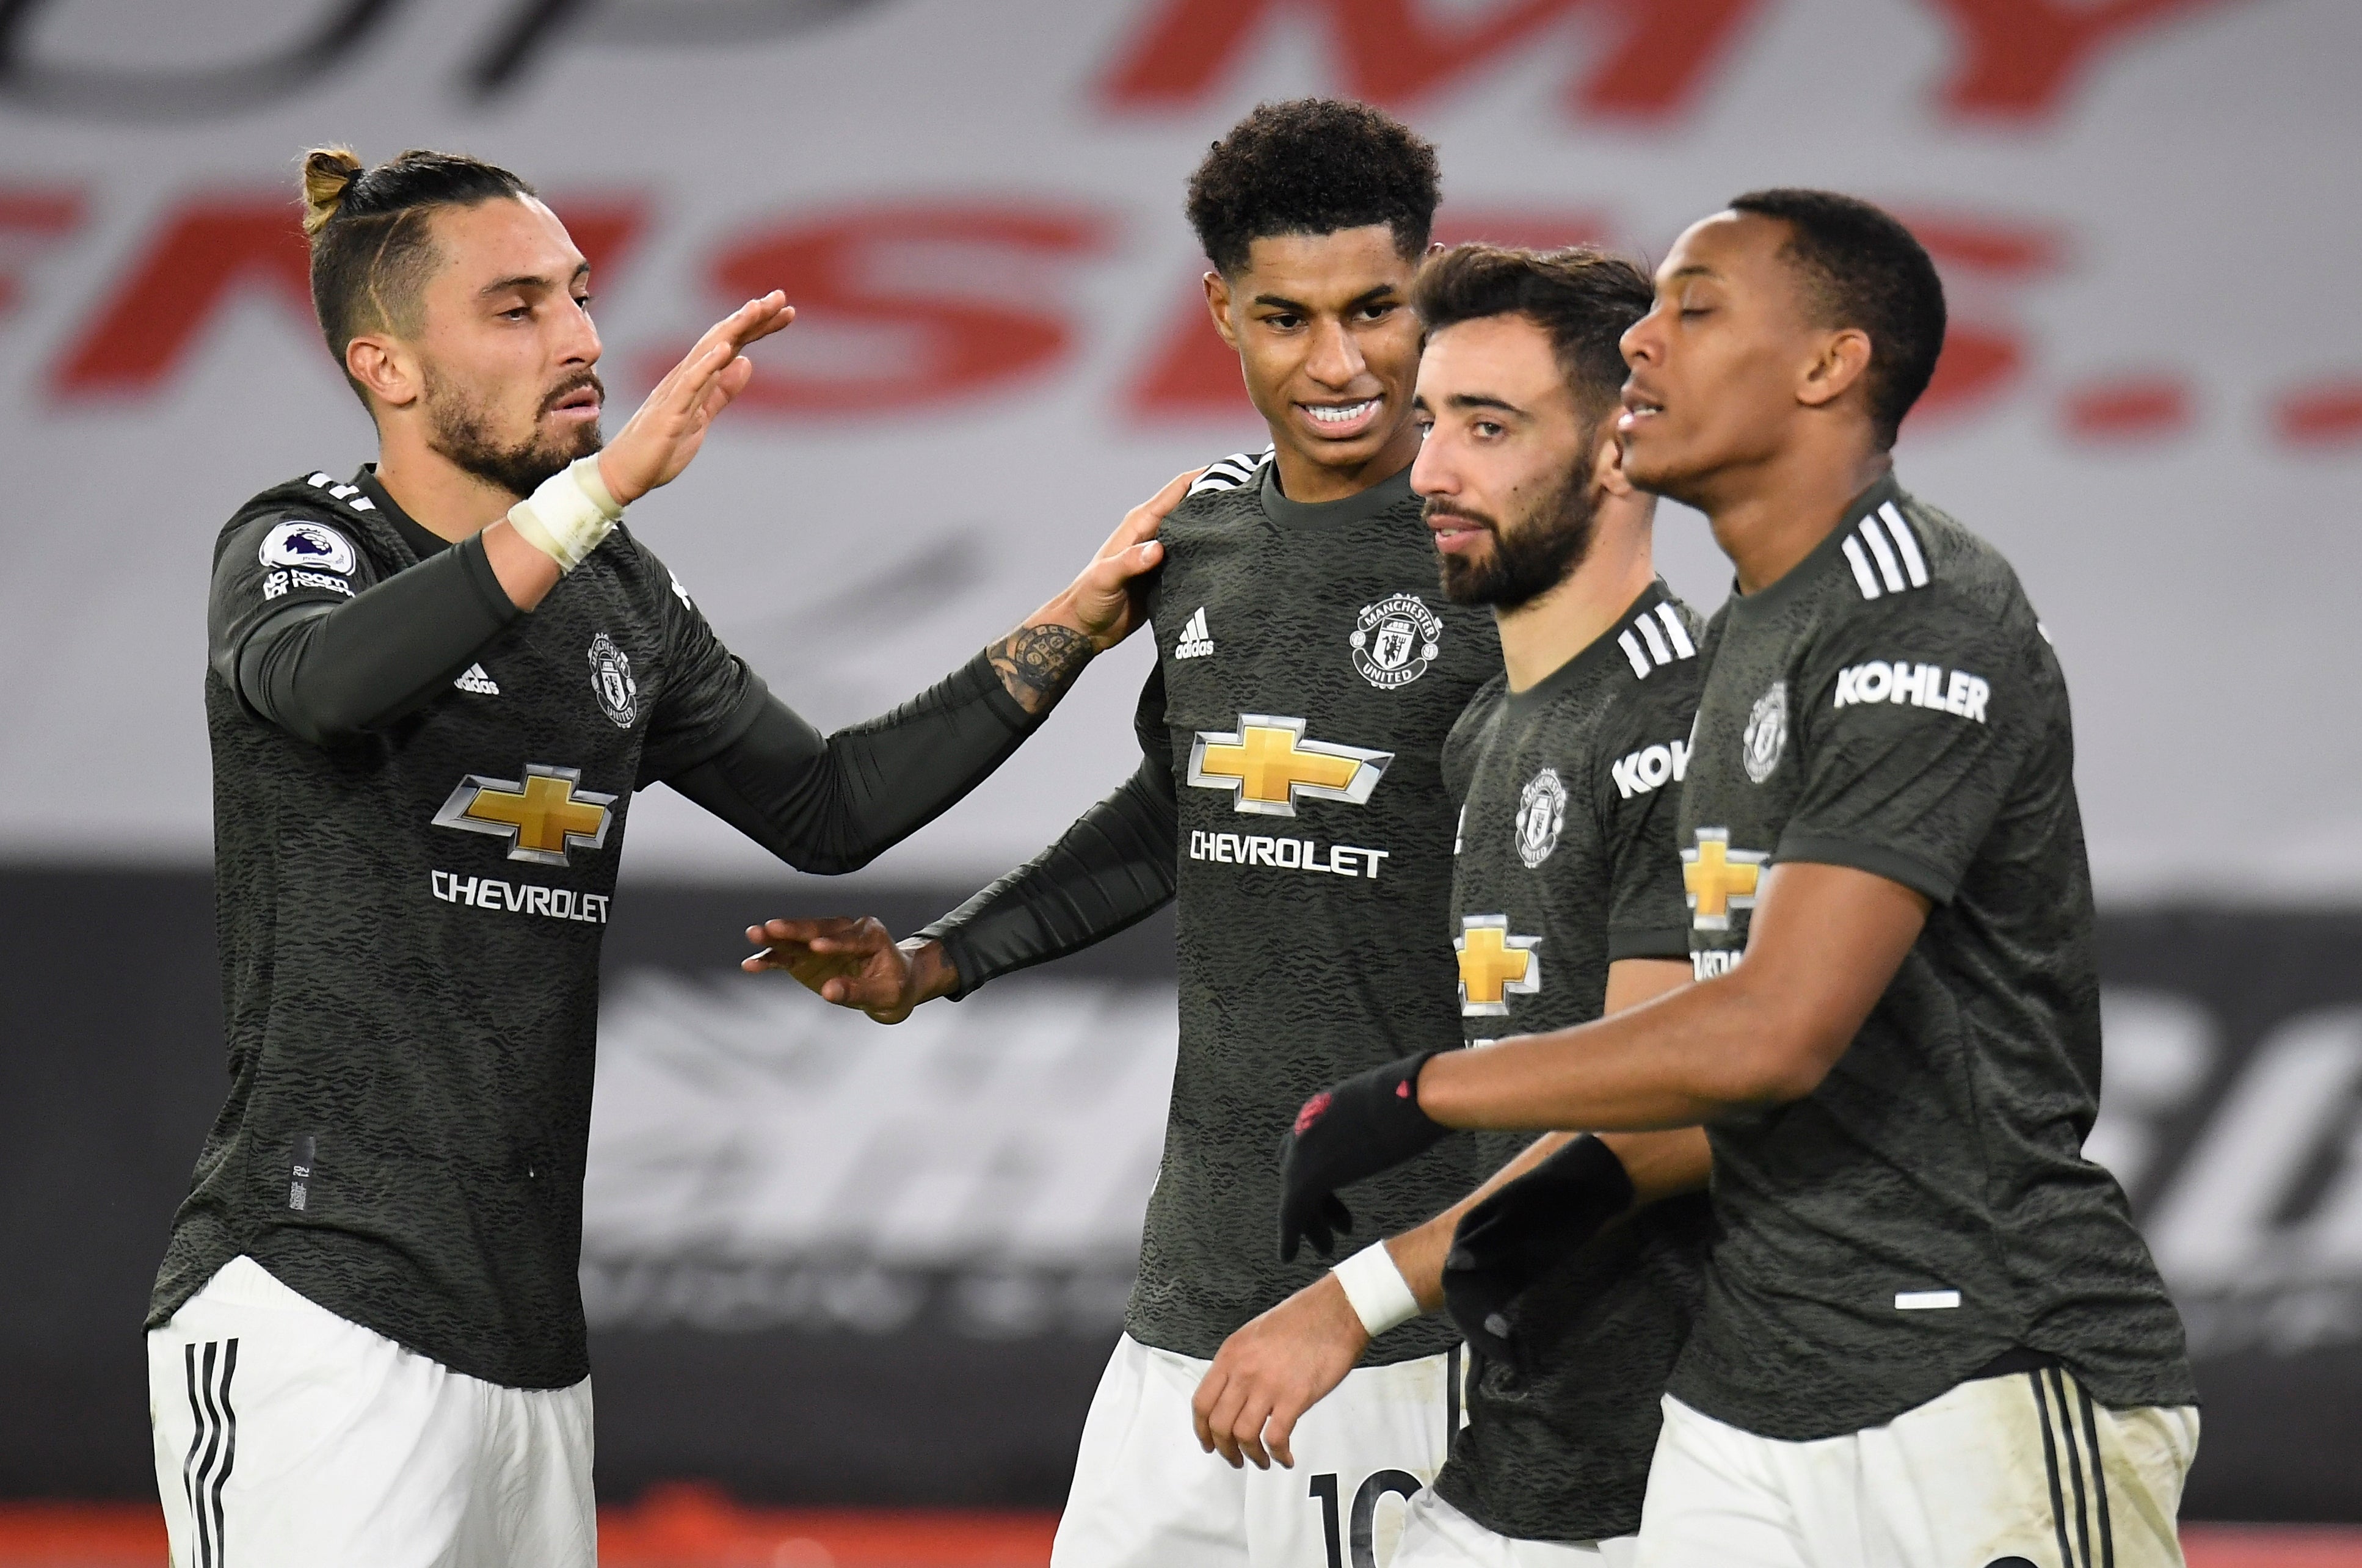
{"x": 1437, "y": 1535}
{"x": 2022, "y": 1471}
{"x": 1145, "y": 1494}
{"x": 287, "y": 1436}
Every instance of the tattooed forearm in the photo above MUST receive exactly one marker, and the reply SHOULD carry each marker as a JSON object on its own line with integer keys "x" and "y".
{"x": 1038, "y": 663}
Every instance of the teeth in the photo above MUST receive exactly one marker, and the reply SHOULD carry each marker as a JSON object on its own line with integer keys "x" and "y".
{"x": 1344, "y": 415}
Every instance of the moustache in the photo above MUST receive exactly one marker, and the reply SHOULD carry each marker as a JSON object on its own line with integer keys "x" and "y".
{"x": 1438, "y": 507}
{"x": 569, "y": 388}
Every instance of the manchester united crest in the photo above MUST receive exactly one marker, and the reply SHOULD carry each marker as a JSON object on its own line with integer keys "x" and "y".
{"x": 1542, "y": 815}
{"x": 611, "y": 682}
{"x": 1767, "y": 732}
{"x": 1395, "y": 640}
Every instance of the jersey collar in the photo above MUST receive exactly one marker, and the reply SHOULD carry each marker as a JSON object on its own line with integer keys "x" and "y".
{"x": 1809, "y": 571}
{"x": 422, "y": 541}
{"x": 1380, "y": 497}
{"x": 1600, "y": 652}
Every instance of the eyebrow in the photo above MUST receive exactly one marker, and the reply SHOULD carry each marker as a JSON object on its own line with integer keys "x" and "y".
{"x": 1368, "y": 296}
{"x": 1463, "y": 402}
{"x": 528, "y": 281}
{"x": 1695, "y": 270}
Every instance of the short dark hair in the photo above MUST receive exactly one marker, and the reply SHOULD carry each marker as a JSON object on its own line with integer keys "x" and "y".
{"x": 1314, "y": 166}
{"x": 371, "y": 249}
{"x": 1582, "y": 297}
{"x": 1862, "y": 268}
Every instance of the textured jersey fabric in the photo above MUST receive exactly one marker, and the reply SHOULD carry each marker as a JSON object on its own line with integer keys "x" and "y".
{"x": 1308, "y": 671}
{"x": 1892, "y": 705}
{"x": 409, "y": 920}
{"x": 1567, "y": 863}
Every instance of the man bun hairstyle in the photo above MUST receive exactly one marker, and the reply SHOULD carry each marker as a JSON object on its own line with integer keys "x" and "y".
{"x": 1313, "y": 166}
{"x": 1583, "y": 298}
{"x": 1862, "y": 268}
{"x": 372, "y": 249}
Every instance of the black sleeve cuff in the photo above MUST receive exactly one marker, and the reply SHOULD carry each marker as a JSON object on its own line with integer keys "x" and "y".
{"x": 1673, "y": 943}
{"x": 1935, "y": 886}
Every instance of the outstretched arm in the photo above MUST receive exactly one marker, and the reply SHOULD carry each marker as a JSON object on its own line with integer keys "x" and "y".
{"x": 332, "y": 669}
{"x": 832, "y": 804}
{"x": 1276, "y": 1367}
{"x": 1825, "y": 941}
{"x": 1113, "y": 868}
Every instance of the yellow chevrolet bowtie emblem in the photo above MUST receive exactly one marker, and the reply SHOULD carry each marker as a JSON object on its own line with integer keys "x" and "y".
{"x": 543, "y": 816}
{"x": 1494, "y": 966}
{"x": 1269, "y": 765}
{"x": 1720, "y": 878}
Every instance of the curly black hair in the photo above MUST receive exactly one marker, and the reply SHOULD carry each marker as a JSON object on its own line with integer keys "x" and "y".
{"x": 1863, "y": 269}
{"x": 1314, "y": 166}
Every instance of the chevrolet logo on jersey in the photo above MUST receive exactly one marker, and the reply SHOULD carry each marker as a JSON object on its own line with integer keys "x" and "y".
{"x": 1269, "y": 765}
{"x": 542, "y": 817}
{"x": 1494, "y": 966}
{"x": 1718, "y": 879}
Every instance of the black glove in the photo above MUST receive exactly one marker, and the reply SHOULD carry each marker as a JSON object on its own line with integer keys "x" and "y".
{"x": 1369, "y": 1123}
{"x": 1522, "y": 1229}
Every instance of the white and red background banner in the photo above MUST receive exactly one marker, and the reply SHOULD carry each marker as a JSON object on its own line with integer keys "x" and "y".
{"x": 2146, "y": 215}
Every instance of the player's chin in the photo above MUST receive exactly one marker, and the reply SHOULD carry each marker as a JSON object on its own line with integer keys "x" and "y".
{"x": 568, "y": 439}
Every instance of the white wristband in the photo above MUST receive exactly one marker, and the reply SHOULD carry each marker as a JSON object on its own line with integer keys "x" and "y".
{"x": 1381, "y": 1297}
{"x": 569, "y": 514}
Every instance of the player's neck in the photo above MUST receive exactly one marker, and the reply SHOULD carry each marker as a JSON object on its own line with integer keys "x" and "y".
{"x": 1773, "y": 515}
{"x": 1304, "y": 480}
{"x": 1539, "y": 636}
{"x": 437, "y": 494}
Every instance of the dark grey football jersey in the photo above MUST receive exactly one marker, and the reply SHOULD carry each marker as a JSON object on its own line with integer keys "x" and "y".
{"x": 1892, "y": 705}
{"x": 410, "y": 924}
{"x": 1308, "y": 673}
{"x": 1567, "y": 863}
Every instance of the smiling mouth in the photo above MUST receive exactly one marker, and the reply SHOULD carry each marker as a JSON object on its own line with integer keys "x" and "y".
{"x": 1342, "y": 418}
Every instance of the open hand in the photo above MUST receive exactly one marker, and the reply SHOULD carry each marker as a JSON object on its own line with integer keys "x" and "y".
{"x": 1269, "y": 1373}
{"x": 666, "y": 430}
{"x": 852, "y": 963}
{"x": 1103, "y": 603}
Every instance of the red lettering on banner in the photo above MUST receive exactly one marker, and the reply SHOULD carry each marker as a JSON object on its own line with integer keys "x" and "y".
{"x": 210, "y": 251}
{"x": 918, "y": 279}
{"x": 604, "y": 228}
{"x": 213, "y": 250}
{"x": 2129, "y": 408}
{"x": 1983, "y": 354}
{"x": 2024, "y": 55}
{"x": 2326, "y": 414}
{"x": 1193, "y": 374}
{"x": 1394, "y": 54}
{"x": 30, "y": 220}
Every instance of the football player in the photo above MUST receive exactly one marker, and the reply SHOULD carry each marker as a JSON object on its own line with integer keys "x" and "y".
{"x": 1930, "y": 1333}
{"x": 434, "y": 686}
{"x": 1291, "y": 795}
{"x": 1566, "y": 901}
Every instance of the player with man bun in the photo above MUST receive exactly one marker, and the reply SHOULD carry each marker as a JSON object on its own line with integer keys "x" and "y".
{"x": 434, "y": 688}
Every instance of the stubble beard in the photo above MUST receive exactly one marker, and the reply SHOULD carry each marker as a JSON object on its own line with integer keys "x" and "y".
{"x": 459, "y": 429}
{"x": 1544, "y": 549}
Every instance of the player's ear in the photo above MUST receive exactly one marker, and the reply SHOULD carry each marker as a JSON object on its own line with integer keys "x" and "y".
{"x": 1607, "y": 473}
{"x": 1843, "y": 360}
{"x": 387, "y": 368}
{"x": 1217, "y": 306}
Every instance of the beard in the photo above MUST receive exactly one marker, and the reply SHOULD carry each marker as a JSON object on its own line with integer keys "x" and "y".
{"x": 459, "y": 428}
{"x": 1527, "y": 560}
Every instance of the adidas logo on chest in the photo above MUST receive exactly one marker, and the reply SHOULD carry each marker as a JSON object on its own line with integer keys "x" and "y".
{"x": 1194, "y": 641}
